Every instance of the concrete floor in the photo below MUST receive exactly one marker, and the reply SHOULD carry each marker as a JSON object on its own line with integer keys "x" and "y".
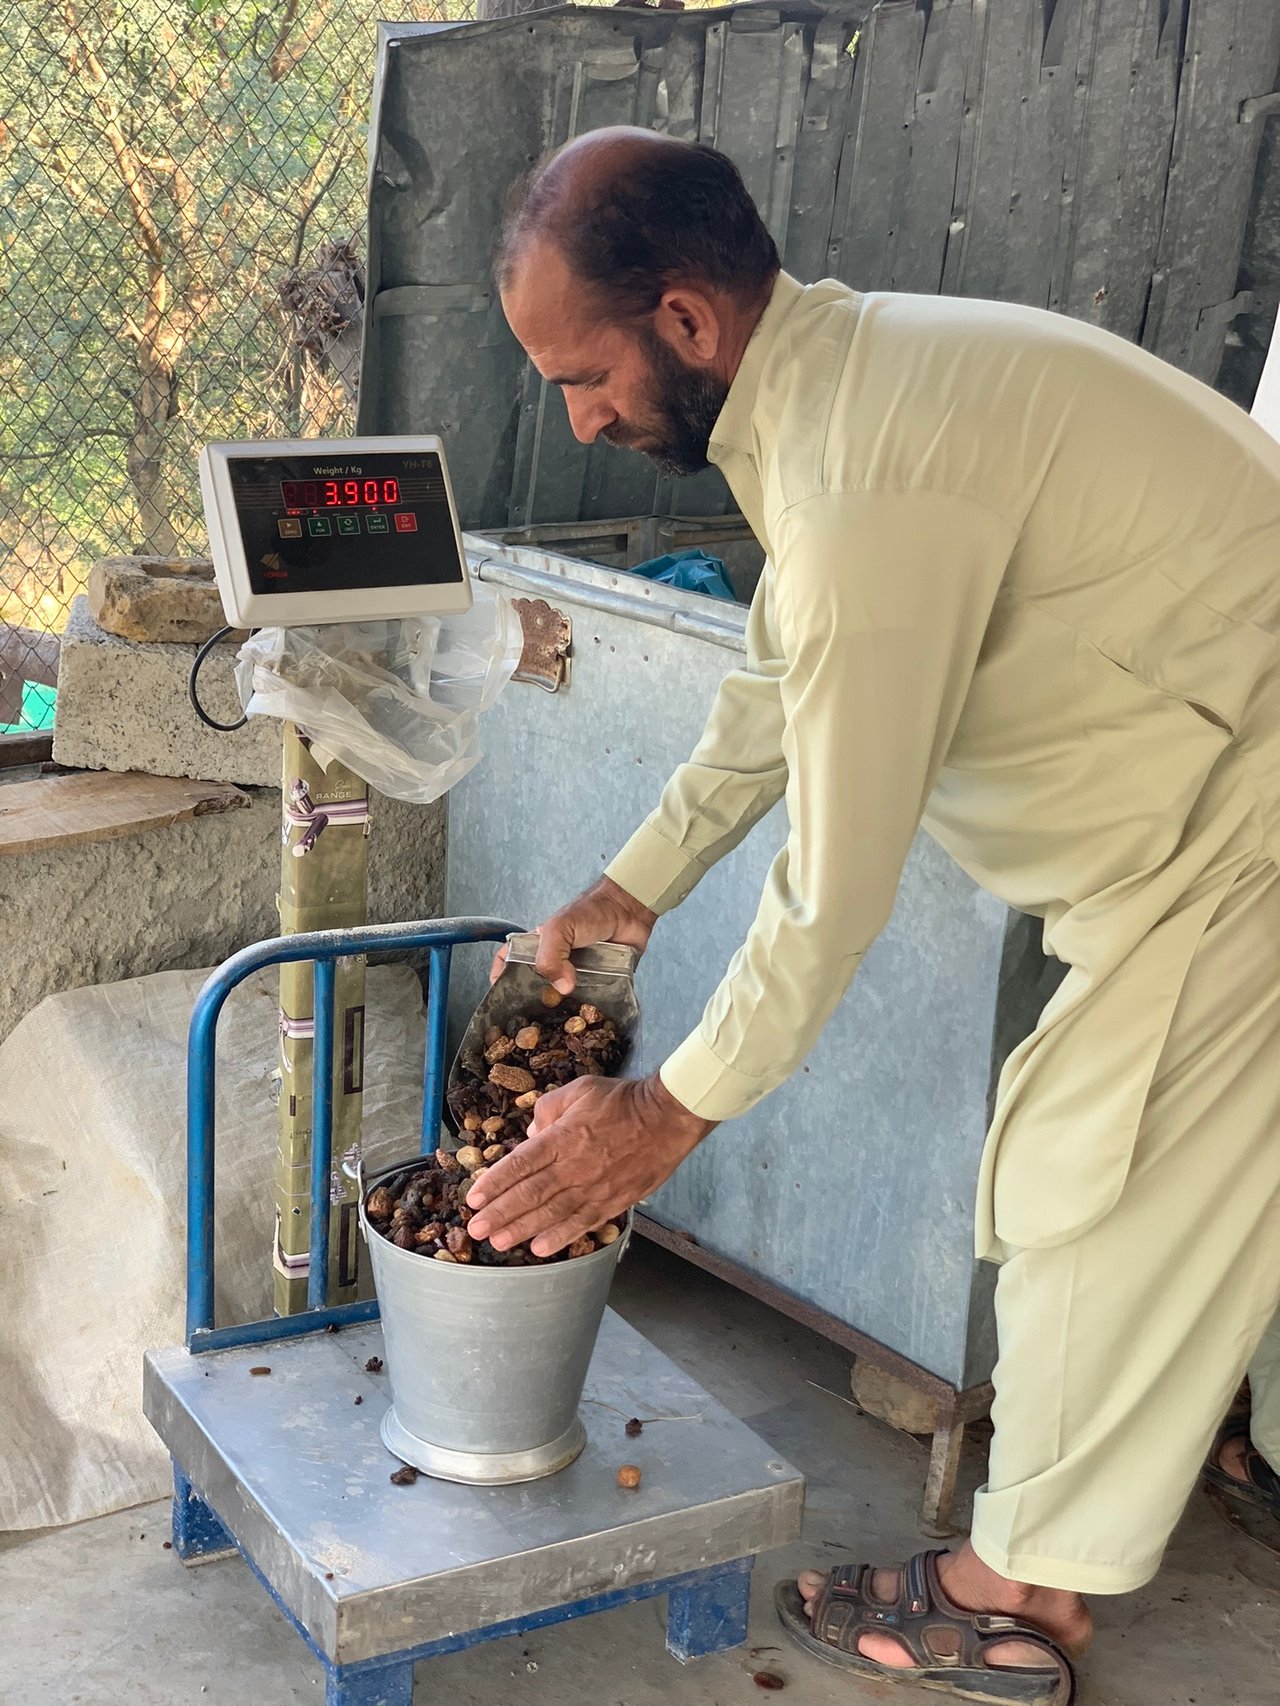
{"x": 100, "y": 1614}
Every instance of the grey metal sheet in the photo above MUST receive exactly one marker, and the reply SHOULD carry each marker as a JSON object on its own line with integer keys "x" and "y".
{"x": 1014, "y": 150}
{"x": 823, "y": 121}
{"x": 924, "y": 220}
{"x": 852, "y": 1186}
{"x": 1123, "y": 164}
{"x": 877, "y": 172}
{"x": 297, "y": 1472}
{"x": 1036, "y": 206}
{"x": 1231, "y": 56}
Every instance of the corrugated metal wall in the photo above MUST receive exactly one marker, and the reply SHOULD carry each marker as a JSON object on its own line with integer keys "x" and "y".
{"x": 1091, "y": 156}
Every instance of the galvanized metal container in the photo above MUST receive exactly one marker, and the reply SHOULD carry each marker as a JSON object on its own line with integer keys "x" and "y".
{"x": 486, "y": 1365}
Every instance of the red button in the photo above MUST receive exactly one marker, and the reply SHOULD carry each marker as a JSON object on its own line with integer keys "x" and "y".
{"x": 406, "y": 521}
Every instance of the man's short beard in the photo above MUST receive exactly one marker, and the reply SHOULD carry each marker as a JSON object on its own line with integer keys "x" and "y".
{"x": 686, "y": 404}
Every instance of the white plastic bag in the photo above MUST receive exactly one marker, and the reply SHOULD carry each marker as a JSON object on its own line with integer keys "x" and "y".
{"x": 397, "y": 702}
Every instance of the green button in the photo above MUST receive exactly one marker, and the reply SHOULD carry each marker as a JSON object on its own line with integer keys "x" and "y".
{"x": 319, "y": 527}
{"x": 377, "y": 524}
{"x": 348, "y": 524}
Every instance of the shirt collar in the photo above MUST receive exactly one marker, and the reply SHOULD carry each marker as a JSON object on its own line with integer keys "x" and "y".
{"x": 733, "y": 431}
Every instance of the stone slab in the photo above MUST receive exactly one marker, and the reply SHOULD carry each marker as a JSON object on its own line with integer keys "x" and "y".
{"x": 171, "y": 599}
{"x": 186, "y": 895}
{"x": 122, "y": 705}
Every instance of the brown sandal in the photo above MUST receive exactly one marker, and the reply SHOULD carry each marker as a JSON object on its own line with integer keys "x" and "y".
{"x": 948, "y": 1644}
{"x": 1262, "y": 1489}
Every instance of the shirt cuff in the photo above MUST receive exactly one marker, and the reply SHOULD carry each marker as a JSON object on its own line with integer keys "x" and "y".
{"x": 702, "y": 1082}
{"x": 654, "y": 870}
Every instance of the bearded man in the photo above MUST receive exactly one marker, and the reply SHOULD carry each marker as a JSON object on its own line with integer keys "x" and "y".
{"x": 1022, "y": 588}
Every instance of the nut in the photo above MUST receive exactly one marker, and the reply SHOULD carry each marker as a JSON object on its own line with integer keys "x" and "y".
{"x": 548, "y": 1057}
{"x": 608, "y": 1234}
{"x": 470, "y": 1158}
{"x": 499, "y": 1050}
{"x": 494, "y": 1123}
{"x": 381, "y": 1204}
{"x": 576, "y": 1026}
{"x": 634, "y": 1428}
{"x": 405, "y": 1236}
{"x": 472, "y": 1121}
{"x": 458, "y": 1243}
{"x": 591, "y": 1014}
{"x": 528, "y": 1038}
{"x": 445, "y": 1256}
{"x": 528, "y": 1099}
{"x": 629, "y": 1475}
{"x": 448, "y": 1161}
{"x": 583, "y": 1246}
{"x": 513, "y": 1078}
{"x": 495, "y": 1152}
{"x": 404, "y": 1476}
{"x": 551, "y": 997}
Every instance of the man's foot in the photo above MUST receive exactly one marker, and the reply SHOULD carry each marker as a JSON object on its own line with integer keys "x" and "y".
{"x": 1239, "y": 1470}
{"x": 973, "y": 1586}
{"x": 1233, "y": 1456}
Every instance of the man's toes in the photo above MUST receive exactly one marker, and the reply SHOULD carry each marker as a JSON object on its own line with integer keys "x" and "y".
{"x": 1234, "y": 1458}
{"x": 810, "y": 1584}
{"x": 884, "y": 1650}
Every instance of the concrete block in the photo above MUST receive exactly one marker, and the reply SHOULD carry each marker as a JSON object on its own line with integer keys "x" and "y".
{"x": 171, "y": 599}
{"x": 890, "y": 1399}
{"x": 123, "y": 706}
{"x": 187, "y": 895}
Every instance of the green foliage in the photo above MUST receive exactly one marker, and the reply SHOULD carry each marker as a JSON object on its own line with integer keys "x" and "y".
{"x": 245, "y": 124}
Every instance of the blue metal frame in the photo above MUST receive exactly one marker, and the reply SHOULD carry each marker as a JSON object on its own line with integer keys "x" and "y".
{"x": 324, "y": 948}
{"x": 707, "y": 1612}
{"x": 707, "y": 1609}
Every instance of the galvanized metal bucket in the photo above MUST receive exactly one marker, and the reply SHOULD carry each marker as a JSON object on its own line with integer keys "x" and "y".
{"x": 486, "y": 1365}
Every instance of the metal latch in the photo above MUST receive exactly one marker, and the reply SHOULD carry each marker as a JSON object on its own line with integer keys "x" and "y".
{"x": 548, "y": 639}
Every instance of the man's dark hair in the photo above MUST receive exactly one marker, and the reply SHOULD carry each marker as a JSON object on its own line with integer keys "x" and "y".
{"x": 678, "y": 214}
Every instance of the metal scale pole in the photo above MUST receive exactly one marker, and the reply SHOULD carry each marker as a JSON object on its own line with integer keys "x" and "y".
{"x": 323, "y": 886}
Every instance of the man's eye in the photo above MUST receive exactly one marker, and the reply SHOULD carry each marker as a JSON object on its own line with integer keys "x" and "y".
{"x": 592, "y": 384}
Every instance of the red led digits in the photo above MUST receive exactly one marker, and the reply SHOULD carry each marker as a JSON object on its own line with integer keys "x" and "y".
{"x": 334, "y": 494}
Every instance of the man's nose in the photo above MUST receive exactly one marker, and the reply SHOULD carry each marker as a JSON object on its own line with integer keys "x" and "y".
{"x": 588, "y": 416}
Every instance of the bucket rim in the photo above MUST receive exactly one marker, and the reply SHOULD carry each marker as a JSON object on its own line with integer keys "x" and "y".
{"x": 367, "y": 1181}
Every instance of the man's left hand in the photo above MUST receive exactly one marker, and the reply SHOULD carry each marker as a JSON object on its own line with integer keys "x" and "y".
{"x": 595, "y": 1148}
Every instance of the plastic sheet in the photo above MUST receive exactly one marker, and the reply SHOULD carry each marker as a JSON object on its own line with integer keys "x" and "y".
{"x": 397, "y": 702}
{"x": 691, "y": 571}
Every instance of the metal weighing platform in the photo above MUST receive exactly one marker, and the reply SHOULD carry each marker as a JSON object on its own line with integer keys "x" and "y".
{"x": 288, "y": 1468}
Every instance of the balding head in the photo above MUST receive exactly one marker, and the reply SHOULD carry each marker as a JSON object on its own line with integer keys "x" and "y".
{"x": 633, "y": 269}
{"x": 634, "y": 213}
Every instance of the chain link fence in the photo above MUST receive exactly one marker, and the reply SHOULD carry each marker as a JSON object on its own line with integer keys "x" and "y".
{"x": 182, "y": 194}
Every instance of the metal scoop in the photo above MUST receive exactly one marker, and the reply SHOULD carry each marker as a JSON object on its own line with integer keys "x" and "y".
{"x": 605, "y": 978}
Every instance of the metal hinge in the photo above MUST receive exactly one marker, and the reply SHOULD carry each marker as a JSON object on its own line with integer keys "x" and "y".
{"x": 548, "y": 639}
{"x": 1223, "y": 313}
{"x": 1259, "y": 106}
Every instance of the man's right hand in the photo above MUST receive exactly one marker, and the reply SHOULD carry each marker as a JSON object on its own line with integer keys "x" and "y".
{"x": 605, "y": 913}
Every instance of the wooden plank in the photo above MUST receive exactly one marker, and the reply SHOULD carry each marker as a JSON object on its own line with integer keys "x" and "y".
{"x": 99, "y": 805}
{"x": 21, "y": 749}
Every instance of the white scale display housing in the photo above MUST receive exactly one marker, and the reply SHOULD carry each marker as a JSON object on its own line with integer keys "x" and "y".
{"x": 307, "y": 532}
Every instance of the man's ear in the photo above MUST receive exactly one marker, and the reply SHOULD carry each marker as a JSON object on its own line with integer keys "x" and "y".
{"x": 689, "y": 321}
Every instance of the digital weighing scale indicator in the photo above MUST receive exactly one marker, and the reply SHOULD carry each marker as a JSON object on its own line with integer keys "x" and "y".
{"x": 317, "y": 531}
